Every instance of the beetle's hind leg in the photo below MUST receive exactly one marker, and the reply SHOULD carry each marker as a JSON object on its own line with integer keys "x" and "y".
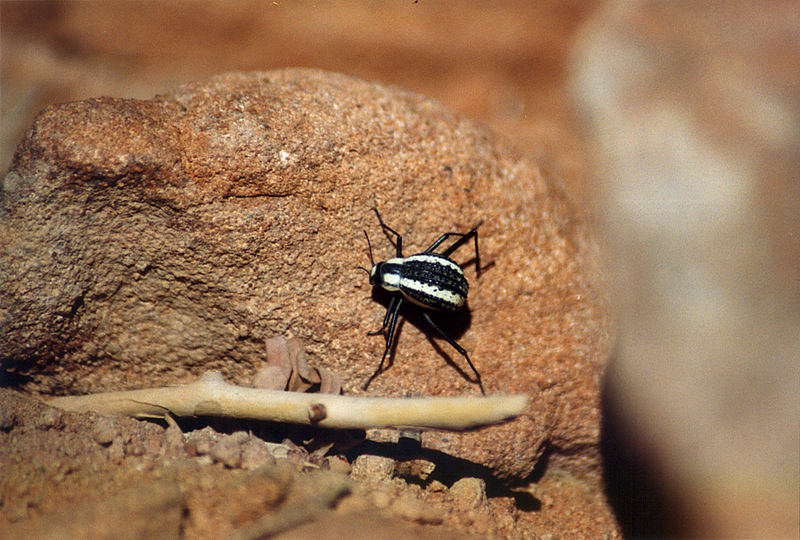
{"x": 457, "y": 347}
{"x": 465, "y": 237}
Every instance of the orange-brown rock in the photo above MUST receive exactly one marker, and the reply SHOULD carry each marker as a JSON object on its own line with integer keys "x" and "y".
{"x": 145, "y": 242}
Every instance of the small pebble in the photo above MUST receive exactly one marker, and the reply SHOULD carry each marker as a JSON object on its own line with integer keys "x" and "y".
{"x": 8, "y": 419}
{"x": 469, "y": 493}
{"x": 228, "y": 451}
{"x": 372, "y": 468}
{"x": 104, "y": 431}
{"x": 203, "y": 440}
{"x": 49, "y": 418}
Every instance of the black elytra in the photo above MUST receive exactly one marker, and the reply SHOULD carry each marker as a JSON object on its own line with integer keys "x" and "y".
{"x": 431, "y": 281}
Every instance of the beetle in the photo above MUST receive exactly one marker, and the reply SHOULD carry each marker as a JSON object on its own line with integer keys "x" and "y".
{"x": 431, "y": 281}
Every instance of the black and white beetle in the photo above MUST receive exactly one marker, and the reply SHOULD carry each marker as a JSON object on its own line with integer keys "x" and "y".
{"x": 430, "y": 280}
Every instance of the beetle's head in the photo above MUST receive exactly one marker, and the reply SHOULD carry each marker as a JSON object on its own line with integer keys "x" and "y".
{"x": 375, "y": 276}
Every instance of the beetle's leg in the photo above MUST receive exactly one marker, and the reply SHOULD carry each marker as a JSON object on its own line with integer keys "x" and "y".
{"x": 465, "y": 237}
{"x": 394, "y": 309}
{"x": 389, "y": 309}
{"x": 458, "y": 243}
{"x": 441, "y": 239}
{"x": 399, "y": 243}
{"x": 457, "y": 347}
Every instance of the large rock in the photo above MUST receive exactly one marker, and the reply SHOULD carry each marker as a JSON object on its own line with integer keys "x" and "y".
{"x": 144, "y": 242}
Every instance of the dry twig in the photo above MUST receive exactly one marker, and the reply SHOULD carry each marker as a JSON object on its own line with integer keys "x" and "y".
{"x": 212, "y": 396}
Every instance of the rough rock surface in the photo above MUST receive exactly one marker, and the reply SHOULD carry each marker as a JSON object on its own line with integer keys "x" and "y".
{"x": 145, "y": 242}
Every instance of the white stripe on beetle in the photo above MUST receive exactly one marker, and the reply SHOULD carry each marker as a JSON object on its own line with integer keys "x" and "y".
{"x": 448, "y": 297}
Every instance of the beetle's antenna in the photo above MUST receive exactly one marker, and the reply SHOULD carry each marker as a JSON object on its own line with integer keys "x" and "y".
{"x": 369, "y": 245}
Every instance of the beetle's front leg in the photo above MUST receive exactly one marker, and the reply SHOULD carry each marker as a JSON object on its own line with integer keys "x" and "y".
{"x": 399, "y": 239}
{"x": 391, "y": 315}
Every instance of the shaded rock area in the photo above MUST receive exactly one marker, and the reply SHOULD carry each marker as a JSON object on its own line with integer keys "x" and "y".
{"x": 145, "y": 242}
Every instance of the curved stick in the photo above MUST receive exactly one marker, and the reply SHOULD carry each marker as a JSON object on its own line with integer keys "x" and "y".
{"x": 212, "y": 396}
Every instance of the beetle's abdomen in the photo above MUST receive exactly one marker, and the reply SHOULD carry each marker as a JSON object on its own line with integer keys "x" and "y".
{"x": 433, "y": 281}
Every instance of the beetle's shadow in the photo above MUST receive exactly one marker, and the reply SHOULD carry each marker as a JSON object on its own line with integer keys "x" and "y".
{"x": 454, "y": 325}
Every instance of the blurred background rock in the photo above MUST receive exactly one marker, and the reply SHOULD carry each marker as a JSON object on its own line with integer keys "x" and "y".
{"x": 693, "y": 121}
